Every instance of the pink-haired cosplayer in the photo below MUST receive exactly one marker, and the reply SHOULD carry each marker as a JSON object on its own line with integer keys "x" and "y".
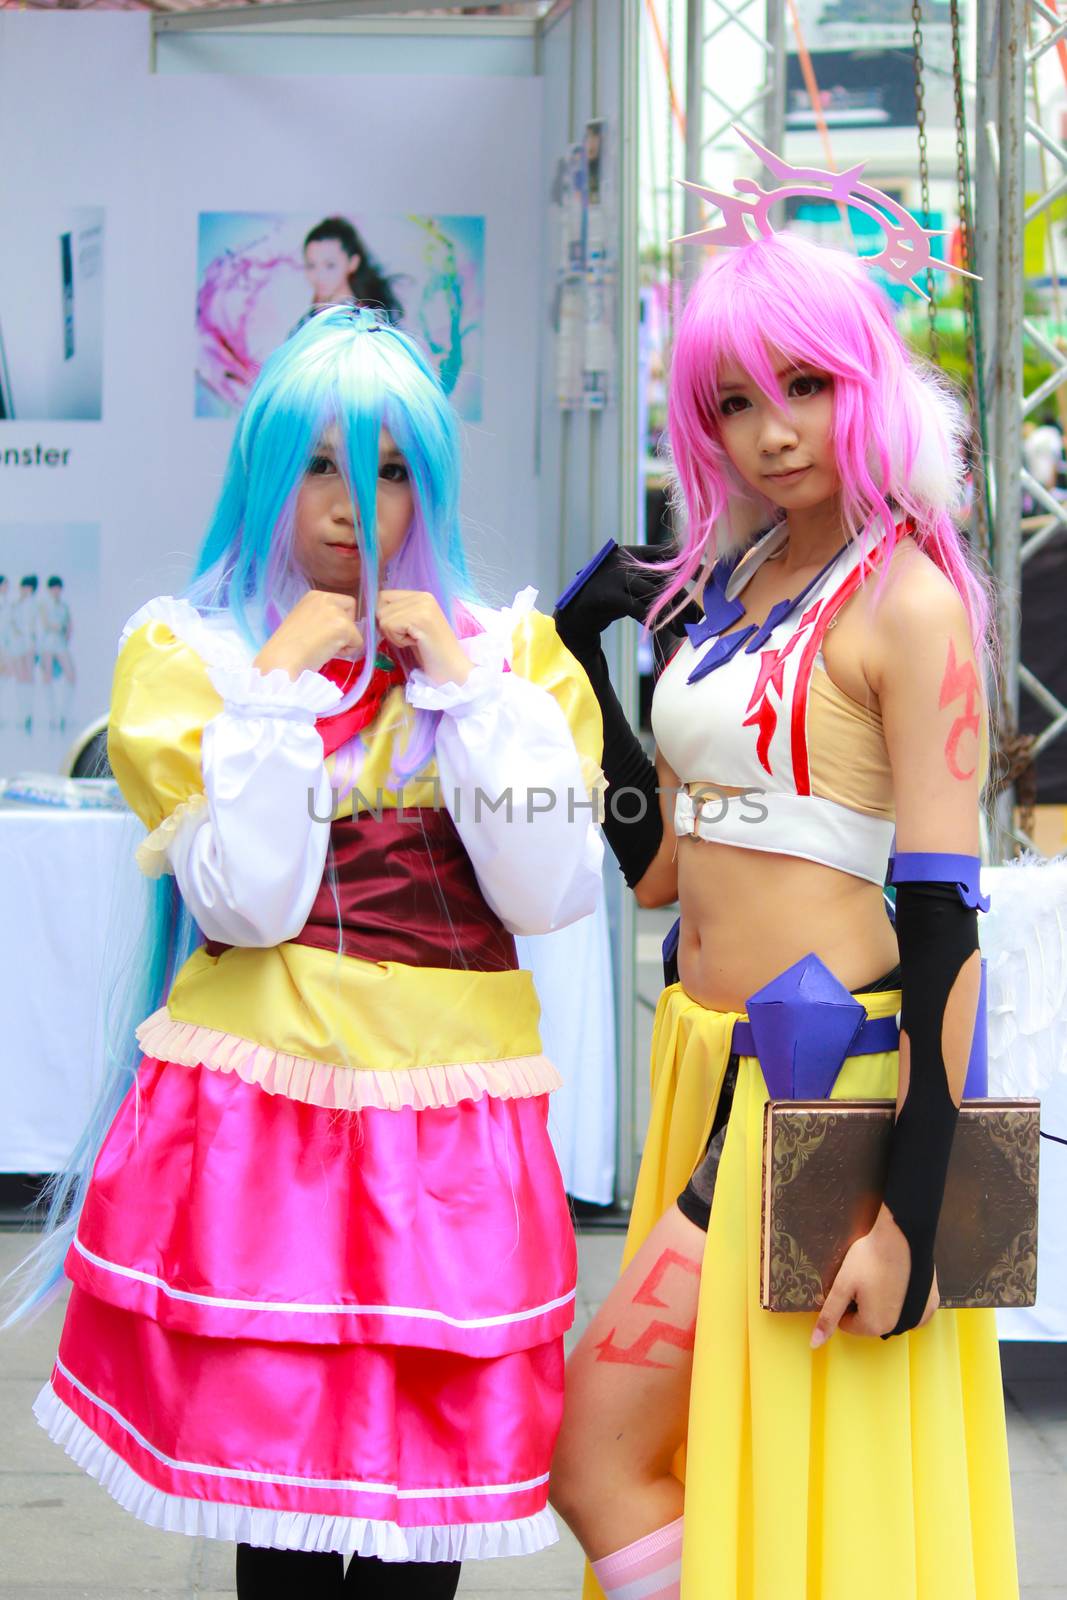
{"x": 826, "y": 695}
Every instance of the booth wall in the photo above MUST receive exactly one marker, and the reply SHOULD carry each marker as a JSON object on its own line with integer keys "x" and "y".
{"x": 94, "y": 127}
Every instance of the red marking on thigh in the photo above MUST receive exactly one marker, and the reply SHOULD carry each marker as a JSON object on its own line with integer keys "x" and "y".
{"x": 638, "y": 1353}
{"x": 646, "y": 1294}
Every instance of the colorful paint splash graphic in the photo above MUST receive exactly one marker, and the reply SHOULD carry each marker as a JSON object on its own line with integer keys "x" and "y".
{"x": 234, "y": 309}
{"x": 253, "y": 292}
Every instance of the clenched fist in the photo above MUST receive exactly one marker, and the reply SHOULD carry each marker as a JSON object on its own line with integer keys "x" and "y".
{"x": 410, "y": 619}
{"x": 320, "y": 626}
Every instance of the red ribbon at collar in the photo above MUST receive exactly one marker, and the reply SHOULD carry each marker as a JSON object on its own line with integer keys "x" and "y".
{"x": 337, "y": 730}
{"x": 344, "y": 725}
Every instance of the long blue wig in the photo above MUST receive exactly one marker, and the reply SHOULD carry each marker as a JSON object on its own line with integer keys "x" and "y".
{"x": 348, "y": 374}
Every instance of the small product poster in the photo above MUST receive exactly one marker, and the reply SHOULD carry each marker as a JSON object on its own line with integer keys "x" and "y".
{"x": 599, "y": 355}
{"x": 585, "y": 277}
{"x": 52, "y": 315}
{"x": 262, "y": 274}
{"x": 49, "y": 596}
{"x": 570, "y": 279}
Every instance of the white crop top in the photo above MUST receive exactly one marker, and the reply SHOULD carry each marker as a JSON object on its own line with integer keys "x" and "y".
{"x": 735, "y": 710}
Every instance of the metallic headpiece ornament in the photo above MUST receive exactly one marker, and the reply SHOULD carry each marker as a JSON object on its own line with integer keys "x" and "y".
{"x": 365, "y": 318}
{"x": 905, "y": 255}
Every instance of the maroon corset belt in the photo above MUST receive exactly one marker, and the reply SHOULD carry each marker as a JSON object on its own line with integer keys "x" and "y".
{"x": 405, "y": 891}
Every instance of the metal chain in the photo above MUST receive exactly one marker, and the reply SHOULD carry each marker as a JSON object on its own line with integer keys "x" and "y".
{"x": 924, "y": 165}
{"x": 976, "y": 380}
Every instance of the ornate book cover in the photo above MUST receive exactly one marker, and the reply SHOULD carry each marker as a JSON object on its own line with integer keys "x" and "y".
{"x": 824, "y": 1165}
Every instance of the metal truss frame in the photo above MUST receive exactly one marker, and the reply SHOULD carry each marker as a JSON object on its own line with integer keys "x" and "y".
{"x": 708, "y": 23}
{"x": 1013, "y": 36}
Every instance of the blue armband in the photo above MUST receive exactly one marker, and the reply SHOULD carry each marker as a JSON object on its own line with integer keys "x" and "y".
{"x": 934, "y": 866}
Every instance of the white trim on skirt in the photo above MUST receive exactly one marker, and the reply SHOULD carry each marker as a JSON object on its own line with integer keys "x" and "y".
{"x": 283, "y": 1530}
{"x": 297, "y": 1307}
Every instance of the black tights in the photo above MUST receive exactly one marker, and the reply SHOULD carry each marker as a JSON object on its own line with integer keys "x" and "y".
{"x": 310, "y": 1575}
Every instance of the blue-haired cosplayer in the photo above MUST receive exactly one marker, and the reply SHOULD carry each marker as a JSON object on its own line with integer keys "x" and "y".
{"x": 321, "y": 1257}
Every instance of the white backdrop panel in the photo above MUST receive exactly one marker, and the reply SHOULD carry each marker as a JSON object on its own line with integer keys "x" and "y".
{"x": 60, "y": 875}
{"x": 94, "y": 128}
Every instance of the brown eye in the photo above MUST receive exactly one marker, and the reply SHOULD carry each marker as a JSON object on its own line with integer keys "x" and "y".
{"x": 393, "y": 472}
{"x": 319, "y": 466}
{"x": 807, "y": 385}
{"x": 733, "y": 404}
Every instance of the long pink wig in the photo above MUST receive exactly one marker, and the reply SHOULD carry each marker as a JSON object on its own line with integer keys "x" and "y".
{"x": 897, "y": 426}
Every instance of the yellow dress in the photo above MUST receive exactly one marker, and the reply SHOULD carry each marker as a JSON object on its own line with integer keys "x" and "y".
{"x": 867, "y": 1470}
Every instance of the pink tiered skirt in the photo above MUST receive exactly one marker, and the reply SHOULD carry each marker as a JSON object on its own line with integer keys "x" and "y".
{"x": 319, "y": 1329}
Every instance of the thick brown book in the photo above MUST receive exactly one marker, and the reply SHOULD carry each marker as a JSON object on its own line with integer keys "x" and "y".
{"x": 824, "y": 1168}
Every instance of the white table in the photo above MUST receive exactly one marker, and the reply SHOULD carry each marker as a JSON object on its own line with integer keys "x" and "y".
{"x": 1025, "y": 940}
{"x": 1048, "y": 1318}
{"x": 60, "y": 872}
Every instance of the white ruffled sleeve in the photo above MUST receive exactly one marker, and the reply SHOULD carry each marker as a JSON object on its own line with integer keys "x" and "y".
{"x": 512, "y": 782}
{"x": 249, "y": 861}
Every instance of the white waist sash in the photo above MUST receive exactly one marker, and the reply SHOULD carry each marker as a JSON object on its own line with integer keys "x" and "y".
{"x": 807, "y": 826}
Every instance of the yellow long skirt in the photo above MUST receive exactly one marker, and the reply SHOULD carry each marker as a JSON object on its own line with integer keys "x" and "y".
{"x": 868, "y": 1468}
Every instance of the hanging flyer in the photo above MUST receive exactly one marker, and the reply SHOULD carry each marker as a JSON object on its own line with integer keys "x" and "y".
{"x": 570, "y": 286}
{"x": 599, "y": 353}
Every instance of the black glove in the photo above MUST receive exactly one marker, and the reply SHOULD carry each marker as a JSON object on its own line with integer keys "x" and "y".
{"x": 937, "y": 933}
{"x": 611, "y": 587}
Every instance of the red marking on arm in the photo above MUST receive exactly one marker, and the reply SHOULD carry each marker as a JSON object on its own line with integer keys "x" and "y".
{"x": 959, "y": 680}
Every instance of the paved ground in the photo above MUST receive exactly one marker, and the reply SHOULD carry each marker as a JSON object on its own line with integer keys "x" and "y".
{"x": 61, "y": 1538}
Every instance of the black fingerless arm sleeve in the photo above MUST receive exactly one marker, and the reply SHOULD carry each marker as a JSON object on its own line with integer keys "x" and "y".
{"x": 610, "y": 587}
{"x": 937, "y": 930}
{"x": 633, "y": 823}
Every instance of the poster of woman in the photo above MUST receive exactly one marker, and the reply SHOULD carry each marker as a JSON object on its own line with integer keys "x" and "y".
{"x": 261, "y": 274}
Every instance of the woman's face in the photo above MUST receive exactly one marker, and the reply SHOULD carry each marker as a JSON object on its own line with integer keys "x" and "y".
{"x": 328, "y": 267}
{"x": 784, "y": 451}
{"x": 325, "y": 527}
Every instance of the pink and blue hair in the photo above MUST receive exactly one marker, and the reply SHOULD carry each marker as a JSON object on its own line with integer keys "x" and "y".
{"x": 346, "y": 373}
{"x": 898, "y": 426}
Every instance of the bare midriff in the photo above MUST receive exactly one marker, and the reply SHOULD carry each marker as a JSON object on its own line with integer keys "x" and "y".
{"x": 747, "y": 915}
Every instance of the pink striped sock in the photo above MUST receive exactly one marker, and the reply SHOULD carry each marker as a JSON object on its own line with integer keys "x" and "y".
{"x": 650, "y": 1569}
